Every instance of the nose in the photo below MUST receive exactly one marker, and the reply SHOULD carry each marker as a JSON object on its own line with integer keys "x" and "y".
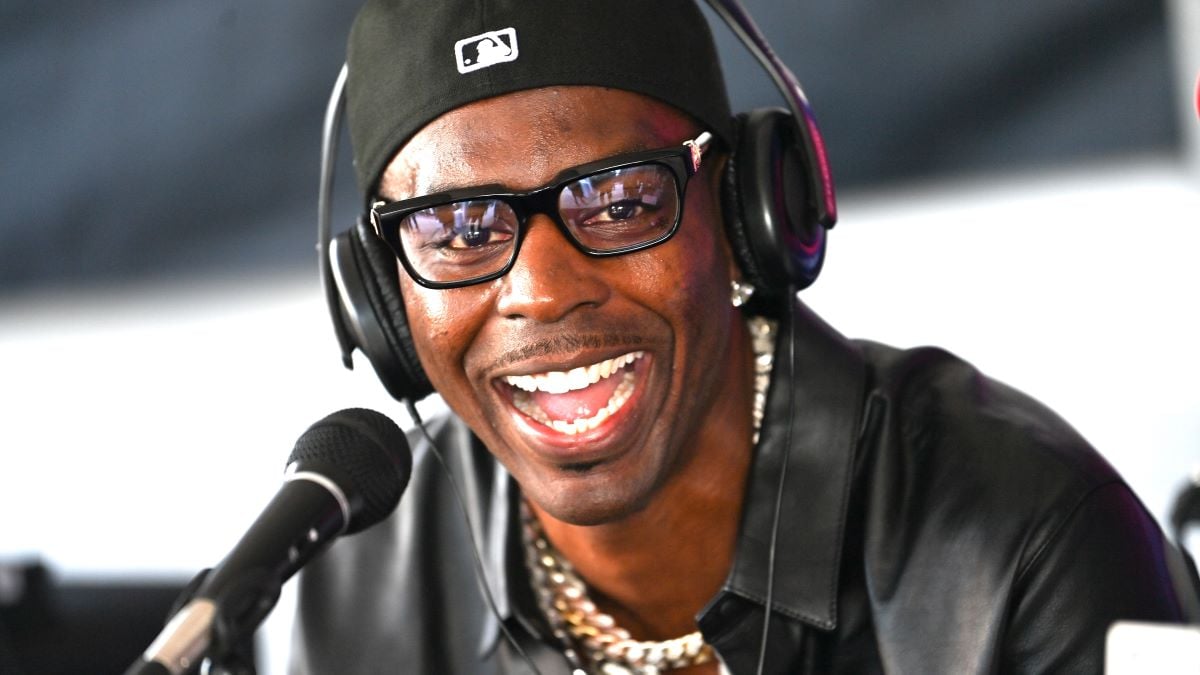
{"x": 550, "y": 278}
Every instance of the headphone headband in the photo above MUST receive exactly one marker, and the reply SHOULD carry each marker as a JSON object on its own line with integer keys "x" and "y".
{"x": 330, "y": 133}
{"x": 813, "y": 144}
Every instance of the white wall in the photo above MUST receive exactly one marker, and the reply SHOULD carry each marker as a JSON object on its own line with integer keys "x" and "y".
{"x": 145, "y": 428}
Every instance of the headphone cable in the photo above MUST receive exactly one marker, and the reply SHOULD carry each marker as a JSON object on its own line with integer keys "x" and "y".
{"x": 787, "y": 451}
{"x": 480, "y": 577}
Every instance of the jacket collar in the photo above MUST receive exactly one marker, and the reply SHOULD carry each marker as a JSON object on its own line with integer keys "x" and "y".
{"x": 816, "y": 395}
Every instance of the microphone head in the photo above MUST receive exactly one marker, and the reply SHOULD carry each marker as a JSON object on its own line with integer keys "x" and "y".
{"x": 365, "y": 454}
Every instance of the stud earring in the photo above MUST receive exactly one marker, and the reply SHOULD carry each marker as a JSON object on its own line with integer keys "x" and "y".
{"x": 741, "y": 292}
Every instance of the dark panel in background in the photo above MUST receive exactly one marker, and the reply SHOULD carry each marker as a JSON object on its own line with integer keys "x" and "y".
{"x": 148, "y": 141}
{"x": 158, "y": 139}
{"x": 910, "y": 90}
{"x": 48, "y": 627}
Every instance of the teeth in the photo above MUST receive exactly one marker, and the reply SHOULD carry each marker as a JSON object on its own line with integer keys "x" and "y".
{"x": 524, "y": 403}
{"x": 559, "y": 382}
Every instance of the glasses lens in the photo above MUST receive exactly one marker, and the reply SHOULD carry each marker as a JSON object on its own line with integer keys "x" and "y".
{"x": 459, "y": 240}
{"x": 622, "y": 207}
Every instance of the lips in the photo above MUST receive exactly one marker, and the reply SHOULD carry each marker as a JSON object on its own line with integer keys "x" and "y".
{"x": 578, "y": 400}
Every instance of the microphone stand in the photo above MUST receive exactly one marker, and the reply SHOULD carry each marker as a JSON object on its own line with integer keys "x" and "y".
{"x": 211, "y": 635}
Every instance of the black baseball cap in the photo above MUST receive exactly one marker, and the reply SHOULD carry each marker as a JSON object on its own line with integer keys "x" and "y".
{"x": 410, "y": 61}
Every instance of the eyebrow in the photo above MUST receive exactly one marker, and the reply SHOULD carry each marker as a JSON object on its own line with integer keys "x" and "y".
{"x": 439, "y": 187}
{"x": 442, "y": 186}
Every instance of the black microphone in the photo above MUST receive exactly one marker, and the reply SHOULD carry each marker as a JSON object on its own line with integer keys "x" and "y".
{"x": 345, "y": 474}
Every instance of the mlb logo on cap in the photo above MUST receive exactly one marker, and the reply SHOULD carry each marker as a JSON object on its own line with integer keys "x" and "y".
{"x": 486, "y": 49}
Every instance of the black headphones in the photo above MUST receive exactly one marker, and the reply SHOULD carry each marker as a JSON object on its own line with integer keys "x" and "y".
{"x": 777, "y": 199}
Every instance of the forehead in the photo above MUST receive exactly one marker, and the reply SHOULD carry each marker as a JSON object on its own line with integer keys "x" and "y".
{"x": 522, "y": 140}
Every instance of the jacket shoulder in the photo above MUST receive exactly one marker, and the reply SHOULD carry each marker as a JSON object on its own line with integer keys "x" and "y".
{"x": 984, "y": 509}
{"x": 940, "y": 408}
{"x": 970, "y": 461}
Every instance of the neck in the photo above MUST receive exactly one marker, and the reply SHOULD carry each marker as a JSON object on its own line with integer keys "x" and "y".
{"x": 654, "y": 570}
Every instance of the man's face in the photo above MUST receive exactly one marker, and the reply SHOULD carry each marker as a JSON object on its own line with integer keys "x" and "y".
{"x": 651, "y": 330}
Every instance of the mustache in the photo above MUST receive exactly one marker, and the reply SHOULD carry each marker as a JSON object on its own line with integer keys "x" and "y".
{"x": 567, "y": 343}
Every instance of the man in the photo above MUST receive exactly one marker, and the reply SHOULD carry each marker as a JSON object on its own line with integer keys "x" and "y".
{"x": 646, "y": 464}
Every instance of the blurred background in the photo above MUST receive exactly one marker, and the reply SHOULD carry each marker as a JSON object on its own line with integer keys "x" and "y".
{"x": 1019, "y": 183}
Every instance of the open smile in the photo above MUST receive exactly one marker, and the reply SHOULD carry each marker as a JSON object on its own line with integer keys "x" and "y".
{"x": 576, "y": 401}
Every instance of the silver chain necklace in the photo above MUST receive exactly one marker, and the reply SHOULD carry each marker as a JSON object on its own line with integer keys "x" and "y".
{"x": 592, "y": 640}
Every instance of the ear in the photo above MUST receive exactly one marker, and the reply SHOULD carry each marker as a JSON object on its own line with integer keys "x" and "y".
{"x": 713, "y": 182}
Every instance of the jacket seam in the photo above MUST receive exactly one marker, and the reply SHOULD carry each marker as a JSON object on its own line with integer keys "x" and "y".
{"x": 1053, "y": 537}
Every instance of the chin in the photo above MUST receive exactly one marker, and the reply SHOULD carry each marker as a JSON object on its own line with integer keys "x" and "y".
{"x": 582, "y": 497}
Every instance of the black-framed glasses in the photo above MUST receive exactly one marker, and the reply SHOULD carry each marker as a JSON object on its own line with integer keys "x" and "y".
{"x": 605, "y": 208}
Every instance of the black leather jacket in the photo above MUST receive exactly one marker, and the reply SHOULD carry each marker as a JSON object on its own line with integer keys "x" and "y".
{"x": 932, "y": 521}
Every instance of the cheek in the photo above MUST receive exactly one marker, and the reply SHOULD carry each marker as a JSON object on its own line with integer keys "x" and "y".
{"x": 443, "y": 324}
{"x": 680, "y": 283}
{"x": 702, "y": 261}
{"x": 705, "y": 268}
{"x": 686, "y": 282}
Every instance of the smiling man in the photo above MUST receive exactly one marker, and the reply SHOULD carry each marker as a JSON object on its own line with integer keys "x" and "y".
{"x": 649, "y": 464}
{"x": 592, "y": 384}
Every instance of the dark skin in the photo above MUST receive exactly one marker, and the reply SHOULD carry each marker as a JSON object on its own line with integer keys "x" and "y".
{"x": 648, "y": 509}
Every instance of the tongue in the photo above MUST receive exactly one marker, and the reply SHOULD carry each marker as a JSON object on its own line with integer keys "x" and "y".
{"x": 581, "y": 403}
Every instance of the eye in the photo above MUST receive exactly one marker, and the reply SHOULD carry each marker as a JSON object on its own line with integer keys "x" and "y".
{"x": 474, "y": 236}
{"x": 460, "y": 227}
{"x": 616, "y": 196}
{"x": 622, "y": 210}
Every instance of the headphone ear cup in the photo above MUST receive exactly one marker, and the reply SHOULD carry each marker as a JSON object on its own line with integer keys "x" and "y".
{"x": 768, "y": 180}
{"x": 373, "y": 311}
